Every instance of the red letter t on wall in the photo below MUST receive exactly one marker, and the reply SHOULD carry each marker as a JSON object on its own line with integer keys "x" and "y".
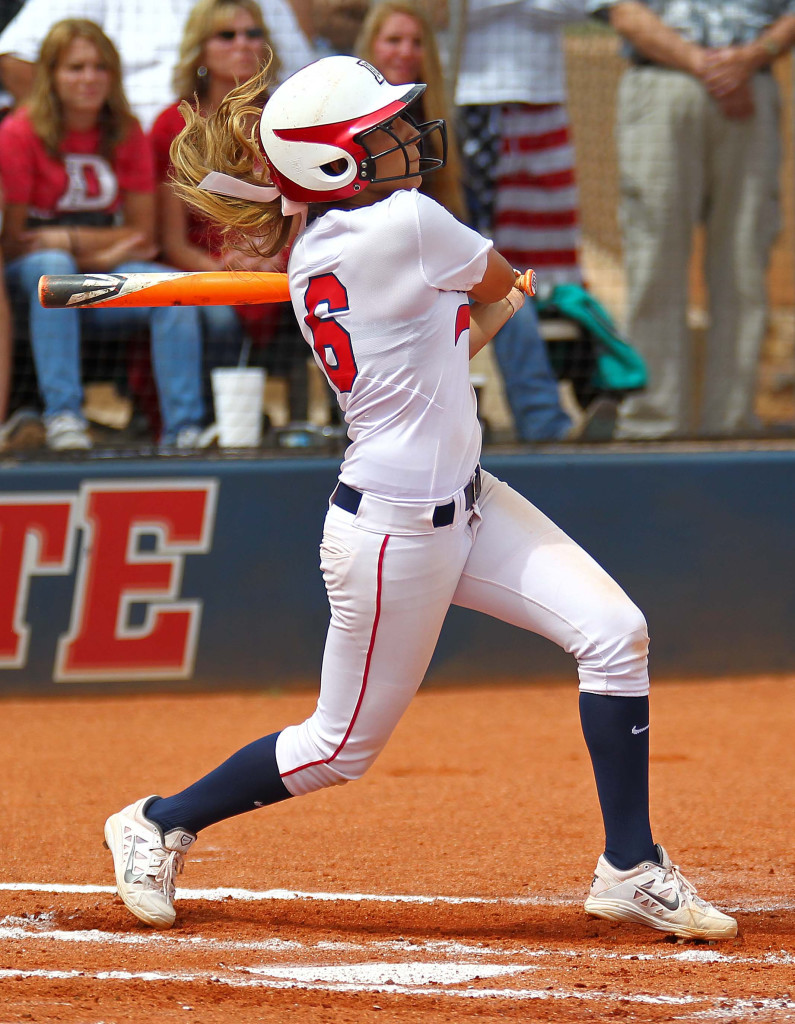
{"x": 36, "y": 538}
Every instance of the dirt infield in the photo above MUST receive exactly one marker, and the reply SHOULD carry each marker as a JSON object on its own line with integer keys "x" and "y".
{"x": 447, "y": 885}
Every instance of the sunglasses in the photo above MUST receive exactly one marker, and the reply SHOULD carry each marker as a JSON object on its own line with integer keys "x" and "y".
{"x": 228, "y": 35}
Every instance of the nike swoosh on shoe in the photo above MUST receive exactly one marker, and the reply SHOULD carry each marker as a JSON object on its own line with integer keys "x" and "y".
{"x": 668, "y": 904}
{"x": 130, "y": 874}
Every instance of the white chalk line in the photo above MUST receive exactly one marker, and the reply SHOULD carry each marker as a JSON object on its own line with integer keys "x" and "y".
{"x": 249, "y": 895}
{"x": 409, "y": 977}
{"x": 17, "y": 929}
{"x": 254, "y": 896}
{"x": 253, "y": 980}
{"x": 258, "y": 979}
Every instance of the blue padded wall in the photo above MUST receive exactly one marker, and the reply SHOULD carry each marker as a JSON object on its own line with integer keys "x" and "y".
{"x": 703, "y": 541}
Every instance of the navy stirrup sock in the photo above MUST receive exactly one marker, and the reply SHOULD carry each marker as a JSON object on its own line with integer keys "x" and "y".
{"x": 248, "y": 779}
{"x": 616, "y": 731}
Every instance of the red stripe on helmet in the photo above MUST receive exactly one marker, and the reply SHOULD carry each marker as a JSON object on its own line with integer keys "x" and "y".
{"x": 330, "y": 134}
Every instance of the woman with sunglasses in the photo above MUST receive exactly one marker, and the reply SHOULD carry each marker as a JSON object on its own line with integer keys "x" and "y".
{"x": 224, "y": 44}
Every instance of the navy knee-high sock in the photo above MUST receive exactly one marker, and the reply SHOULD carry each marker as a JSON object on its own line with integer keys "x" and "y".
{"x": 616, "y": 731}
{"x": 248, "y": 779}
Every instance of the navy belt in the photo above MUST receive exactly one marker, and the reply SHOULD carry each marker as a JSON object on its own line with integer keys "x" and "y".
{"x": 349, "y": 499}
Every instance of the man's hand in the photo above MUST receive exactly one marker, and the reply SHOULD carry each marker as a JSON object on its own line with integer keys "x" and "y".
{"x": 55, "y": 237}
{"x": 727, "y": 70}
{"x": 739, "y": 104}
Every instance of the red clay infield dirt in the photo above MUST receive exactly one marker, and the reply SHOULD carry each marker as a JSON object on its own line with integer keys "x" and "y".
{"x": 447, "y": 885}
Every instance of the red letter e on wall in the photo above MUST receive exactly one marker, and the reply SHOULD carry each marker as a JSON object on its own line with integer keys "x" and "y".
{"x": 135, "y": 537}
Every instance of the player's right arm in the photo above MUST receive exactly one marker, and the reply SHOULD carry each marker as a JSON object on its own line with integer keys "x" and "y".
{"x": 496, "y": 282}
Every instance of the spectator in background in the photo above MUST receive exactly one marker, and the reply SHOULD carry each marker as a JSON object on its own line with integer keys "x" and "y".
{"x": 698, "y": 141}
{"x": 336, "y": 26}
{"x": 520, "y": 180}
{"x": 518, "y": 154}
{"x": 225, "y": 42}
{"x": 22, "y": 428}
{"x": 5, "y": 340}
{"x": 77, "y": 173}
{"x": 147, "y": 35}
{"x": 398, "y": 39}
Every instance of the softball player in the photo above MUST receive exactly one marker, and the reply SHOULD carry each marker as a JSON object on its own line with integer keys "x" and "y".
{"x": 394, "y": 296}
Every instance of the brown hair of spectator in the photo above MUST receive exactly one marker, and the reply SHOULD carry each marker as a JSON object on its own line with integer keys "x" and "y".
{"x": 444, "y": 185}
{"x": 205, "y": 19}
{"x": 228, "y": 141}
{"x": 44, "y": 107}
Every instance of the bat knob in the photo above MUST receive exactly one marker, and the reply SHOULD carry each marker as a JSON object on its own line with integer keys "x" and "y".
{"x": 527, "y": 282}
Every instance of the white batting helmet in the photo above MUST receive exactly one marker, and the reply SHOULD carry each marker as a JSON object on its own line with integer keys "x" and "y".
{"x": 314, "y": 129}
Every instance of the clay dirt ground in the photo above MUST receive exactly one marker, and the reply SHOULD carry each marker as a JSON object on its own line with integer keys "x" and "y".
{"x": 447, "y": 885}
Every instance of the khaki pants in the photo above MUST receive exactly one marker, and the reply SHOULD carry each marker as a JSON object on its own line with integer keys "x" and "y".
{"x": 682, "y": 163}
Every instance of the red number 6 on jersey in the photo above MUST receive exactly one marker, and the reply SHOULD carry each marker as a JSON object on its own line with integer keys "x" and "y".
{"x": 330, "y": 339}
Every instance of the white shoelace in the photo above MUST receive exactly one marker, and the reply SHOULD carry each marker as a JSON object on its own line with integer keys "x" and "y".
{"x": 164, "y": 866}
{"x": 683, "y": 885}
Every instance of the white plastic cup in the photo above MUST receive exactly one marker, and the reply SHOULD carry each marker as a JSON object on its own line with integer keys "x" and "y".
{"x": 239, "y": 395}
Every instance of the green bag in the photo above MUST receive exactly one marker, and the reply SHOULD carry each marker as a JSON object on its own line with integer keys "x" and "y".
{"x": 616, "y": 365}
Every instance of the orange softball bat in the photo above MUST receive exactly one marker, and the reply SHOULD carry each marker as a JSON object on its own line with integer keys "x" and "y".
{"x": 527, "y": 282}
{"x": 201, "y": 288}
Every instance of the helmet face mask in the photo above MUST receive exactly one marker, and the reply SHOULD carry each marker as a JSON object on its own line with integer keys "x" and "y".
{"x": 423, "y": 131}
{"x": 317, "y": 130}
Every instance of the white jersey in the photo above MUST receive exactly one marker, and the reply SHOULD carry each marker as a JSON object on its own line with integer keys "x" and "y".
{"x": 379, "y": 294}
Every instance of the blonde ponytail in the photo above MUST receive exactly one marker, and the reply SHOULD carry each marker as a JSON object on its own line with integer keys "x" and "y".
{"x": 228, "y": 141}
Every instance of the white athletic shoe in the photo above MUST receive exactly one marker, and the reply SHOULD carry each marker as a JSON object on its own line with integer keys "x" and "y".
{"x": 659, "y": 896}
{"x": 189, "y": 437}
{"x": 146, "y": 862}
{"x": 66, "y": 431}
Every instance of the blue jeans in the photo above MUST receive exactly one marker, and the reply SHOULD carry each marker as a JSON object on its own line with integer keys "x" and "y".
{"x": 530, "y": 383}
{"x": 175, "y": 333}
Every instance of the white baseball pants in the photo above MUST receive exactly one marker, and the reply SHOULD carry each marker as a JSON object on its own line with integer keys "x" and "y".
{"x": 391, "y": 577}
